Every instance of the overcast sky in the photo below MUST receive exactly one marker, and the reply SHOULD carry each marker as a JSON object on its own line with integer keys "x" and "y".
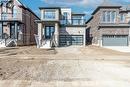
{"x": 82, "y": 6}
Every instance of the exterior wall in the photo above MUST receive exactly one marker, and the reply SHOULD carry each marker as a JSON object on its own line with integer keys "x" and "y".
{"x": 29, "y": 27}
{"x": 6, "y": 29}
{"x": 114, "y": 31}
{"x": 93, "y": 24}
{"x": 72, "y": 30}
{"x": 27, "y": 18}
{"x": 97, "y": 32}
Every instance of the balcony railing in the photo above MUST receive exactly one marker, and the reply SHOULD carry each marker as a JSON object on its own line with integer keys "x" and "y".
{"x": 73, "y": 22}
{"x": 10, "y": 16}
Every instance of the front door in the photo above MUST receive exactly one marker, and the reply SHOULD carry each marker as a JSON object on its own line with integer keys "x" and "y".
{"x": 49, "y": 30}
{"x": 12, "y": 31}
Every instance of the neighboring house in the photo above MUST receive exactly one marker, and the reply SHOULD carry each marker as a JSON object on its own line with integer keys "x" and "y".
{"x": 110, "y": 25}
{"x": 66, "y": 28}
{"x": 17, "y": 23}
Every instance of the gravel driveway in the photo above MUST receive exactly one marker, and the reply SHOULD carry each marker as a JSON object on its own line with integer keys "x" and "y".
{"x": 64, "y": 67}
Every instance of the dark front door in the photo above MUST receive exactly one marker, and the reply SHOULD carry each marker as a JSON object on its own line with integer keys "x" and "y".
{"x": 12, "y": 31}
{"x": 49, "y": 30}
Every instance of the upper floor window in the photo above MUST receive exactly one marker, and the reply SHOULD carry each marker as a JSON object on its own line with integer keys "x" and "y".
{"x": 49, "y": 14}
{"x": 122, "y": 17}
{"x": 65, "y": 15}
{"x": 108, "y": 16}
{"x": 15, "y": 12}
{"x": 4, "y": 8}
{"x": 77, "y": 20}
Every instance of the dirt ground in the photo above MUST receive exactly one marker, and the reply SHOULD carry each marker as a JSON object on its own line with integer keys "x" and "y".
{"x": 89, "y": 66}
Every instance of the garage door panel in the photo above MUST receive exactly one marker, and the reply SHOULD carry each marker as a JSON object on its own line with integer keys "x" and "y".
{"x": 71, "y": 40}
{"x": 117, "y": 40}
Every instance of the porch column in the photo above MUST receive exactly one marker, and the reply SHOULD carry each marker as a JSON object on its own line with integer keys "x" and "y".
{"x": 57, "y": 33}
{"x": 1, "y": 30}
{"x": 129, "y": 38}
{"x": 84, "y": 38}
{"x": 40, "y": 32}
{"x": 16, "y": 30}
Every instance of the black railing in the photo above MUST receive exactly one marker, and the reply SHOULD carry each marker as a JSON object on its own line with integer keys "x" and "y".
{"x": 73, "y": 22}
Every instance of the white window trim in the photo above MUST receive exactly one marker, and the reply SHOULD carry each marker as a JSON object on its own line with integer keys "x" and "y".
{"x": 106, "y": 18}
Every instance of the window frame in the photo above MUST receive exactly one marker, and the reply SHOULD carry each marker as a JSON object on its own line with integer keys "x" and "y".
{"x": 108, "y": 17}
{"x": 49, "y": 14}
{"x": 122, "y": 16}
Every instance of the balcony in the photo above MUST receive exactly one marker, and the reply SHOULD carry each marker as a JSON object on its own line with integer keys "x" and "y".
{"x": 73, "y": 22}
{"x": 10, "y": 16}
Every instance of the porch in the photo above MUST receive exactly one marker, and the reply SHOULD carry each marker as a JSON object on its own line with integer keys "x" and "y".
{"x": 10, "y": 33}
{"x": 48, "y": 34}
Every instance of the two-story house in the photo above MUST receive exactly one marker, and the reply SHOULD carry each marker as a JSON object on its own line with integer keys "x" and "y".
{"x": 60, "y": 26}
{"x": 110, "y": 25}
{"x": 17, "y": 24}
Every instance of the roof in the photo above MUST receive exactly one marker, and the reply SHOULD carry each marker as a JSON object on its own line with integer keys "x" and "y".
{"x": 49, "y": 7}
{"x": 78, "y": 14}
{"x": 106, "y": 4}
{"x": 27, "y": 8}
{"x": 89, "y": 19}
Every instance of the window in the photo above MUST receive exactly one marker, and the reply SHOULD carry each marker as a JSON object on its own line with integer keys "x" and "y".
{"x": 65, "y": 15}
{"x": 4, "y": 16}
{"x": 77, "y": 20}
{"x": 113, "y": 16}
{"x": 49, "y": 14}
{"x": 108, "y": 16}
{"x": 4, "y": 8}
{"x": 15, "y": 12}
{"x": 122, "y": 18}
{"x": 65, "y": 18}
{"x": 104, "y": 16}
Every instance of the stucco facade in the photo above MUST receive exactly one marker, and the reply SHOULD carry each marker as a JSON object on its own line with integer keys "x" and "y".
{"x": 62, "y": 27}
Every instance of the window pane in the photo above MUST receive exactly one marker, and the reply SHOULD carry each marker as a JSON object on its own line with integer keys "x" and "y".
{"x": 113, "y": 16}
{"x": 104, "y": 17}
{"x": 65, "y": 15}
{"x": 49, "y": 14}
{"x": 108, "y": 16}
{"x": 122, "y": 17}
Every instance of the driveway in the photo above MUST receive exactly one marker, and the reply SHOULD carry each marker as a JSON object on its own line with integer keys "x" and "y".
{"x": 119, "y": 48}
{"x": 64, "y": 67}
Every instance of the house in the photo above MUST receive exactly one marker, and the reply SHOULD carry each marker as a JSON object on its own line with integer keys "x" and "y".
{"x": 17, "y": 24}
{"x": 110, "y": 25}
{"x": 59, "y": 26}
